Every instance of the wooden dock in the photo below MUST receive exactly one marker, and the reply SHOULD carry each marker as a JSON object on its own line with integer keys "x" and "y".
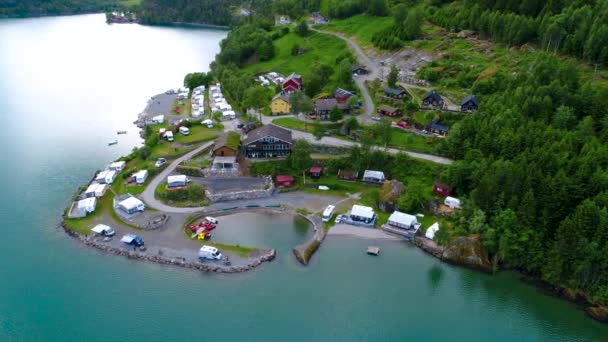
{"x": 373, "y": 250}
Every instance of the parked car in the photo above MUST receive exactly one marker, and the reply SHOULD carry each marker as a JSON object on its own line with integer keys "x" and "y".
{"x": 402, "y": 124}
{"x": 131, "y": 239}
{"x": 160, "y": 162}
{"x": 327, "y": 134}
{"x": 338, "y": 219}
{"x": 377, "y": 118}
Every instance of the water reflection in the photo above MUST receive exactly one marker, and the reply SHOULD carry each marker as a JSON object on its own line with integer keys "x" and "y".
{"x": 435, "y": 275}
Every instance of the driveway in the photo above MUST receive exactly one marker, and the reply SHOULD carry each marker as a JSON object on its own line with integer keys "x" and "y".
{"x": 373, "y": 72}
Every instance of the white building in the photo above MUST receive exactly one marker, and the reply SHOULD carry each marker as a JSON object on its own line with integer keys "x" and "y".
{"x": 404, "y": 221}
{"x": 373, "y": 176}
{"x": 360, "y": 213}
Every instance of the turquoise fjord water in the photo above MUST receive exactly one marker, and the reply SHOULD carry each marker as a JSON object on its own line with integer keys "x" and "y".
{"x": 67, "y": 84}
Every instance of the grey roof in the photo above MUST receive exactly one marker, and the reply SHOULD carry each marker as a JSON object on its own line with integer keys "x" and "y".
{"x": 386, "y": 108}
{"x": 269, "y": 130}
{"x": 342, "y": 92}
{"x": 393, "y": 91}
{"x": 357, "y": 67}
{"x": 329, "y": 104}
{"x": 281, "y": 96}
{"x": 470, "y": 98}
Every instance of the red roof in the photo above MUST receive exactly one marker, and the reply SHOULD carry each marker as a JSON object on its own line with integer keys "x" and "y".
{"x": 316, "y": 169}
{"x": 284, "y": 178}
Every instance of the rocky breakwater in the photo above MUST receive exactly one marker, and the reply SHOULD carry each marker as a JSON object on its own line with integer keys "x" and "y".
{"x": 260, "y": 257}
{"x": 305, "y": 251}
{"x": 462, "y": 250}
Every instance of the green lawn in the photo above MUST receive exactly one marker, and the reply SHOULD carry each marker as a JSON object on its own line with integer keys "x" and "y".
{"x": 130, "y": 3}
{"x": 299, "y": 125}
{"x": 105, "y": 208}
{"x": 198, "y": 133}
{"x": 161, "y": 190}
{"x": 321, "y": 48}
{"x": 412, "y": 142}
{"x": 362, "y": 27}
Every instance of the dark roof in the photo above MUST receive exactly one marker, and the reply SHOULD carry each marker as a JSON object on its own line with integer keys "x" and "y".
{"x": 329, "y": 104}
{"x": 281, "y": 96}
{"x": 269, "y": 130}
{"x": 347, "y": 174}
{"x": 393, "y": 91}
{"x": 435, "y": 125}
{"x": 433, "y": 94}
{"x": 357, "y": 67}
{"x": 388, "y": 109}
{"x": 342, "y": 93}
{"x": 470, "y": 98}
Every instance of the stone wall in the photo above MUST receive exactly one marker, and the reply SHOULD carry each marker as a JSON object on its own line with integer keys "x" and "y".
{"x": 306, "y": 250}
{"x": 263, "y": 256}
{"x": 325, "y": 149}
{"x": 226, "y": 196}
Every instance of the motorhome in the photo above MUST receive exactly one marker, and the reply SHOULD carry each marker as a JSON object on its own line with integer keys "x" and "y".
{"x": 328, "y": 213}
{"x": 208, "y": 252}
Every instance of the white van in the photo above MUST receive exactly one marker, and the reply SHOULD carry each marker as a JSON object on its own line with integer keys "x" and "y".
{"x": 168, "y": 136}
{"x": 208, "y": 252}
{"x": 184, "y": 130}
{"x": 328, "y": 213}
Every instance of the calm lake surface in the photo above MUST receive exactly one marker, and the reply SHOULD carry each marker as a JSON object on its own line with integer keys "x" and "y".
{"x": 66, "y": 85}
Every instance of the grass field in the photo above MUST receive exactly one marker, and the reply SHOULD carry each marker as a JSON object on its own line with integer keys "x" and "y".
{"x": 299, "y": 125}
{"x": 412, "y": 142}
{"x": 362, "y": 27}
{"x": 321, "y": 48}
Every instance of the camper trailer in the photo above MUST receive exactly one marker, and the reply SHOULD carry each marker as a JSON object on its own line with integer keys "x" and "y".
{"x": 177, "y": 181}
{"x": 168, "y": 135}
{"x": 103, "y": 230}
{"x": 141, "y": 176}
{"x": 184, "y": 130}
{"x": 131, "y": 205}
{"x": 452, "y": 202}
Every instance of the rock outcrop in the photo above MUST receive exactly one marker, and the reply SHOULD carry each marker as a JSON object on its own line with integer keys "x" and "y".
{"x": 599, "y": 313}
{"x": 462, "y": 250}
{"x": 305, "y": 251}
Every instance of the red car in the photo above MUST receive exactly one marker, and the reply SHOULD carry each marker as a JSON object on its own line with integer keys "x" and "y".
{"x": 402, "y": 124}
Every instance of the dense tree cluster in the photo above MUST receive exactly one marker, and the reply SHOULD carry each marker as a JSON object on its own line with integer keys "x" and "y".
{"x": 349, "y": 8}
{"x": 407, "y": 25}
{"x": 35, "y": 8}
{"x": 578, "y": 28}
{"x": 186, "y": 11}
{"x": 534, "y": 162}
{"x": 244, "y": 42}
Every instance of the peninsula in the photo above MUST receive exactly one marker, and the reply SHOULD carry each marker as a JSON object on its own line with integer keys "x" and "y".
{"x": 483, "y": 146}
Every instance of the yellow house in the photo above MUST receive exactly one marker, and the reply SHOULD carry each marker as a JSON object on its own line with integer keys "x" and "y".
{"x": 280, "y": 104}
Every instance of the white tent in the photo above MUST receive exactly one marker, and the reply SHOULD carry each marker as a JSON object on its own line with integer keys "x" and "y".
{"x": 101, "y": 228}
{"x": 363, "y": 212}
{"x": 117, "y": 166}
{"x": 402, "y": 220}
{"x": 87, "y": 205}
{"x": 430, "y": 232}
{"x": 131, "y": 205}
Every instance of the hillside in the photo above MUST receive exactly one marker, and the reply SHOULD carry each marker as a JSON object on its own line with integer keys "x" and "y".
{"x": 37, "y": 8}
{"x": 532, "y": 163}
{"x": 157, "y": 12}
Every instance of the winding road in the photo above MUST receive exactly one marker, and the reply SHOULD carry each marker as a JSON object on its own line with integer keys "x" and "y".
{"x": 373, "y": 73}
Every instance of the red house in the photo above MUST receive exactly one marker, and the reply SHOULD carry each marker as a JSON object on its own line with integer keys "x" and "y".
{"x": 442, "y": 189}
{"x": 292, "y": 83}
{"x": 284, "y": 181}
{"x": 315, "y": 172}
{"x": 342, "y": 95}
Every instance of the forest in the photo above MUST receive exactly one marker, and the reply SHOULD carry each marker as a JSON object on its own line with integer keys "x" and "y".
{"x": 158, "y": 12}
{"x": 37, "y": 8}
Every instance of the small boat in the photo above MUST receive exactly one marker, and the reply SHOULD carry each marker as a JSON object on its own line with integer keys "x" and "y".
{"x": 373, "y": 250}
{"x": 121, "y": 132}
{"x": 113, "y": 142}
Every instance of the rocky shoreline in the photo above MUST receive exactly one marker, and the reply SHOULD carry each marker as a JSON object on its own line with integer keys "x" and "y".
{"x": 263, "y": 256}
